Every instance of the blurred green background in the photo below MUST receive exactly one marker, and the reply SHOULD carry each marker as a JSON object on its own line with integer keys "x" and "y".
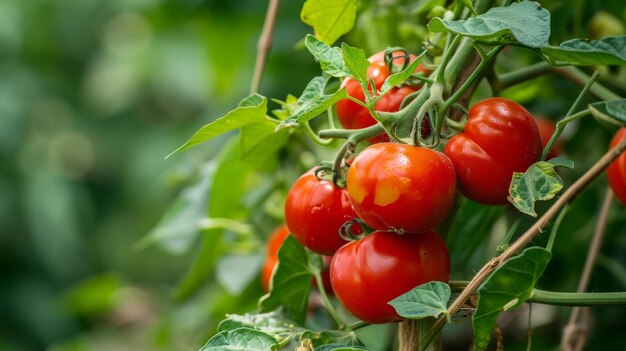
{"x": 94, "y": 94}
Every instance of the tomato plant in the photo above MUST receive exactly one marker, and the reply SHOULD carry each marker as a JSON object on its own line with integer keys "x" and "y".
{"x": 617, "y": 170}
{"x": 546, "y": 129}
{"x": 315, "y": 210}
{"x": 354, "y": 116}
{"x": 368, "y": 273}
{"x": 500, "y": 137}
{"x": 401, "y": 187}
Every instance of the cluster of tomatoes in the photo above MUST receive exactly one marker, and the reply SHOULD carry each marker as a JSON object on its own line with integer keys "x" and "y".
{"x": 403, "y": 193}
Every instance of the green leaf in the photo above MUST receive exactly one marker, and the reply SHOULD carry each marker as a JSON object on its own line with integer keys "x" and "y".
{"x": 180, "y": 224}
{"x": 245, "y": 339}
{"x": 250, "y": 110}
{"x": 330, "y": 58}
{"x": 335, "y": 338}
{"x": 426, "y": 300}
{"x": 508, "y": 287}
{"x": 291, "y": 282}
{"x": 527, "y": 21}
{"x": 585, "y": 52}
{"x": 613, "y": 112}
{"x": 272, "y": 323}
{"x": 400, "y": 77}
{"x": 227, "y": 188}
{"x": 312, "y": 102}
{"x": 330, "y": 19}
{"x": 355, "y": 61}
{"x": 540, "y": 182}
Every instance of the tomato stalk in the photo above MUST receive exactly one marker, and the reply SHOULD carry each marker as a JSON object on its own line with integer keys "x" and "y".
{"x": 531, "y": 233}
{"x": 560, "y": 125}
{"x": 555, "y": 227}
{"x": 568, "y": 337}
{"x": 327, "y": 303}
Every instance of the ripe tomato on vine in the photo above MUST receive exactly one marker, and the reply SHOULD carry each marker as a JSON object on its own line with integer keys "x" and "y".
{"x": 354, "y": 116}
{"x": 500, "y": 137}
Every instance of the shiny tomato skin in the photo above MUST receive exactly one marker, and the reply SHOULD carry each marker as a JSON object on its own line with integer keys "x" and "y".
{"x": 546, "y": 129}
{"x": 368, "y": 273}
{"x": 617, "y": 170}
{"x": 500, "y": 138}
{"x": 401, "y": 187}
{"x": 315, "y": 210}
{"x": 354, "y": 116}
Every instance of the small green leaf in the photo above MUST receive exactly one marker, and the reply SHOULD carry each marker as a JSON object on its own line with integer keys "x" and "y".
{"x": 250, "y": 110}
{"x": 527, "y": 21}
{"x": 540, "y": 182}
{"x": 400, "y": 77}
{"x": 330, "y": 19}
{"x": 613, "y": 112}
{"x": 426, "y": 300}
{"x": 586, "y": 52}
{"x": 330, "y": 58}
{"x": 355, "y": 61}
{"x": 245, "y": 339}
{"x": 291, "y": 283}
{"x": 336, "y": 338}
{"x": 508, "y": 287}
{"x": 272, "y": 323}
{"x": 312, "y": 102}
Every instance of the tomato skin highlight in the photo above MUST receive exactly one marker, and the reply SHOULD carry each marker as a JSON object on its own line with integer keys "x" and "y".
{"x": 500, "y": 138}
{"x": 368, "y": 273}
{"x": 617, "y": 170}
{"x": 401, "y": 187}
{"x": 354, "y": 116}
{"x": 315, "y": 210}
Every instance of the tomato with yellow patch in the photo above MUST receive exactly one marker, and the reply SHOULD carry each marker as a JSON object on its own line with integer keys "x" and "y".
{"x": 401, "y": 187}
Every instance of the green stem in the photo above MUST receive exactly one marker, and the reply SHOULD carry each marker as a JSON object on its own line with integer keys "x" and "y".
{"x": 368, "y": 132}
{"x": 577, "y": 299}
{"x": 446, "y": 58}
{"x": 509, "y": 235}
{"x": 577, "y": 76}
{"x": 466, "y": 85}
{"x": 560, "y": 126}
{"x": 356, "y": 325}
{"x": 331, "y": 118}
{"x": 315, "y": 137}
{"x": 521, "y": 75}
{"x": 329, "y": 306}
{"x": 555, "y": 227}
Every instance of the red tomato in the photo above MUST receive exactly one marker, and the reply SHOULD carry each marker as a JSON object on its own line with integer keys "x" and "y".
{"x": 366, "y": 274}
{"x": 401, "y": 187}
{"x": 617, "y": 170}
{"x": 500, "y": 138}
{"x": 273, "y": 244}
{"x": 315, "y": 210}
{"x": 546, "y": 129}
{"x": 354, "y": 116}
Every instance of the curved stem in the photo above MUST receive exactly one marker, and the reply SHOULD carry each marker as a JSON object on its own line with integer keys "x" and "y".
{"x": 509, "y": 235}
{"x": 264, "y": 45}
{"x": 315, "y": 137}
{"x": 521, "y": 75}
{"x": 446, "y": 58}
{"x": 374, "y": 130}
{"x": 356, "y": 325}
